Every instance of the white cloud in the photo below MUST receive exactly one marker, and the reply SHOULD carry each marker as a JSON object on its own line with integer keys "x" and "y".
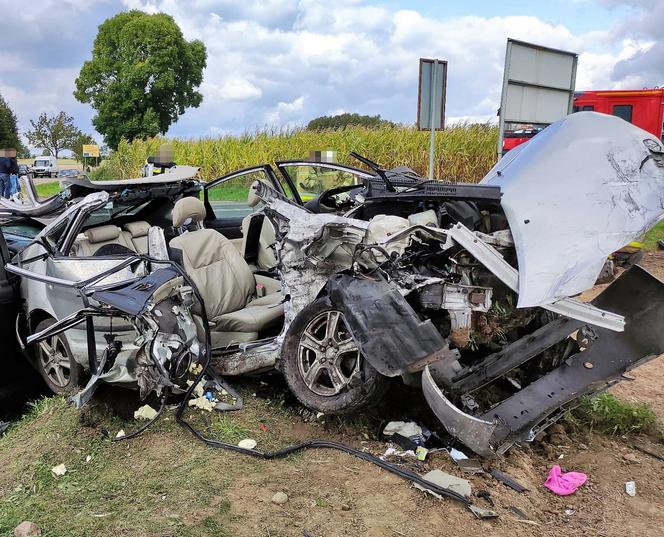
{"x": 283, "y": 62}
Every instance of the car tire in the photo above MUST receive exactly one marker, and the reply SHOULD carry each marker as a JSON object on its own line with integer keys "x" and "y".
{"x": 322, "y": 365}
{"x": 55, "y": 362}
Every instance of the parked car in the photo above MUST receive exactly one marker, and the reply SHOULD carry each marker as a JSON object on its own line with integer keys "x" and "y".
{"x": 45, "y": 167}
{"x": 24, "y": 169}
{"x": 70, "y": 172}
{"x": 461, "y": 289}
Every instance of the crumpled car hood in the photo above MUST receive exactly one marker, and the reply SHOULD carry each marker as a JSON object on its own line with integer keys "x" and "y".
{"x": 581, "y": 189}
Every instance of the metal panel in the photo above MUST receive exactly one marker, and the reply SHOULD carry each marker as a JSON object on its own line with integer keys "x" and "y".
{"x": 425, "y": 103}
{"x": 538, "y": 85}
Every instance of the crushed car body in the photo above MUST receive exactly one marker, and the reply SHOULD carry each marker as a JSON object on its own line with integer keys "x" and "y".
{"x": 442, "y": 285}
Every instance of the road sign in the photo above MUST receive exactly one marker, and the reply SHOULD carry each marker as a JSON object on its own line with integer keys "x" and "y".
{"x": 91, "y": 150}
{"x": 431, "y": 95}
{"x": 431, "y": 101}
{"x": 538, "y": 86}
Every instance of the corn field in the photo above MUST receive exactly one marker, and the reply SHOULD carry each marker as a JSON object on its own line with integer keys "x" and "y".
{"x": 464, "y": 152}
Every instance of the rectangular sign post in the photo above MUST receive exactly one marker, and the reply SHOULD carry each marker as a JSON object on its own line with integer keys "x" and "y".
{"x": 89, "y": 150}
{"x": 431, "y": 101}
{"x": 538, "y": 86}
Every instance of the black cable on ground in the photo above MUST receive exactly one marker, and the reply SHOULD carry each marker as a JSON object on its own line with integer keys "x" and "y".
{"x": 284, "y": 452}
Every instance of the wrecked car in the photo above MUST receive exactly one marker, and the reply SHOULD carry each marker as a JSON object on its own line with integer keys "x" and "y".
{"x": 464, "y": 290}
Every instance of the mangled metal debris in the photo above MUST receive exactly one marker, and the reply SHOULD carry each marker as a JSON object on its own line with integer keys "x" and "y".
{"x": 464, "y": 290}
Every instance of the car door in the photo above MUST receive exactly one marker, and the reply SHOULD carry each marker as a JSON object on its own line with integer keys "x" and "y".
{"x": 225, "y": 199}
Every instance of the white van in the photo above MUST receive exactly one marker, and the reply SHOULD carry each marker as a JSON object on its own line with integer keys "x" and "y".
{"x": 45, "y": 167}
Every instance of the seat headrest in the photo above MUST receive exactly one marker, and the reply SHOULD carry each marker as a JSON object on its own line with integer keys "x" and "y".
{"x": 102, "y": 234}
{"x": 252, "y": 198}
{"x": 137, "y": 229}
{"x": 188, "y": 208}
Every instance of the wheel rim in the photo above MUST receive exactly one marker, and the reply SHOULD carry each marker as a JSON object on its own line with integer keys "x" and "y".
{"x": 55, "y": 361}
{"x": 328, "y": 358}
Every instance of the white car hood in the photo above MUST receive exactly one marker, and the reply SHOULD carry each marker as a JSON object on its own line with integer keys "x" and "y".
{"x": 581, "y": 189}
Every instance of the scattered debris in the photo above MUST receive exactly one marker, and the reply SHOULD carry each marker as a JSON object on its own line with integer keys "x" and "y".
{"x": 481, "y": 513}
{"x": 247, "y": 443}
{"x": 88, "y": 458}
{"x": 27, "y": 529}
{"x": 4, "y": 425}
{"x": 518, "y": 512}
{"x": 470, "y": 466}
{"x": 630, "y": 488}
{"x": 447, "y": 481}
{"x": 507, "y": 480}
{"x": 407, "y": 434}
{"x": 203, "y": 403}
{"x": 647, "y": 452}
{"x": 456, "y": 454}
{"x": 564, "y": 484}
{"x": 660, "y": 243}
{"x": 280, "y": 498}
{"x": 146, "y": 412}
{"x": 59, "y": 470}
{"x": 390, "y": 451}
{"x": 486, "y": 495}
{"x": 569, "y": 512}
{"x": 121, "y": 434}
{"x": 421, "y": 453}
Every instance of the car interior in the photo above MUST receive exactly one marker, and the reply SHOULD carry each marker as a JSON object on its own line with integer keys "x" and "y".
{"x": 243, "y": 300}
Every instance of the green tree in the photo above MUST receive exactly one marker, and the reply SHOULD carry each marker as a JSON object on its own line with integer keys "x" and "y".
{"x": 53, "y": 133}
{"x": 9, "y": 137}
{"x": 341, "y": 121}
{"x": 142, "y": 76}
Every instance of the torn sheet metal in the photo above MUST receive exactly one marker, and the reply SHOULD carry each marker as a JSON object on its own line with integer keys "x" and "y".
{"x": 518, "y": 417}
{"x": 389, "y": 333}
{"x": 578, "y": 191}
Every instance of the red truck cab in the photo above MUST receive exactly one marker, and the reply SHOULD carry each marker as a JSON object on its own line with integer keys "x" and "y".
{"x": 643, "y": 108}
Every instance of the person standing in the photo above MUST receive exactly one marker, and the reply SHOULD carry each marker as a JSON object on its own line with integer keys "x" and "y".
{"x": 8, "y": 167}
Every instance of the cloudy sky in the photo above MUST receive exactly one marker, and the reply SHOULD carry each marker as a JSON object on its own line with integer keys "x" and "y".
{"x": 284, "y": 62}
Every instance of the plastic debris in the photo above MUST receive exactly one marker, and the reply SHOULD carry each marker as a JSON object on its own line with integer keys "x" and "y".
{"x": 407, "y": 434}
{"x": 630, "y": 488}
{"x": 421, "y": 453}
{"x": 390, "y": 451}
{"x": 146, "y": 412}
{"x": 4, "y": 425}
{"x": 456, "y": 454}
{"x": 447, "y": 481}
{"x": 121, "y": 434}
{"x": 247, "y": 443}
{"x": 59, "y": 470}
{"x": 203, "y": 403}
{"x": 88, "y": 458}
{"x": 564, "y": 484}
{"x": 507, "y": 480}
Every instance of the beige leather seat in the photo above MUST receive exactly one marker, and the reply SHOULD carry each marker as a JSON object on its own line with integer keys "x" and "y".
{"x": 103, "y": 236}
{"x": 257, "y": 239}
{"x": 139, "y": 235}
{"x": 239, "y": 306}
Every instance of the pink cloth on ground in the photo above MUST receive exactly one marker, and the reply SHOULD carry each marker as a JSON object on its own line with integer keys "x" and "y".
{"x": 564, "y": 484}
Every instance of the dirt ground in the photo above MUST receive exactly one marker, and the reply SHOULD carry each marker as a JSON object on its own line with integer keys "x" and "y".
{"x": 330, "y": 493}
{"x": 362, "y": 500}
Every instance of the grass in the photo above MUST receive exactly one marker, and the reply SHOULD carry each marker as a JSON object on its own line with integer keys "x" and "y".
{"x": 610, "y": 415}
{"x": 654, "y": 235}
